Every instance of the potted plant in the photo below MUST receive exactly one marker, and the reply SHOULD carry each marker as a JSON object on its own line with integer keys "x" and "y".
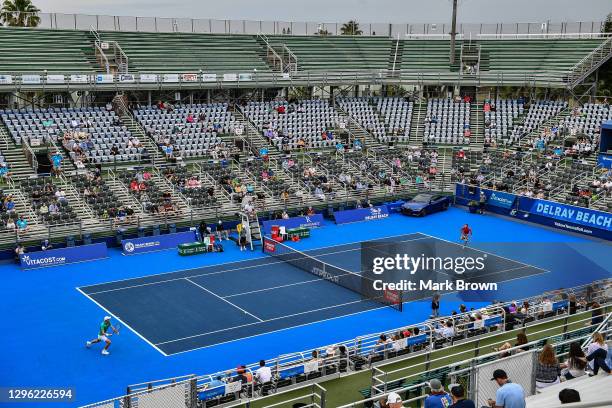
{"x": 473, "y": 206}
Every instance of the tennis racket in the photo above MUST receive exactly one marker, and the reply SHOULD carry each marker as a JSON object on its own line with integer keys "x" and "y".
{"x": 116, "y": 331}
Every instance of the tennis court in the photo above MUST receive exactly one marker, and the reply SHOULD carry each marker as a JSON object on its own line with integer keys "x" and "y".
{"x": 186, "y": 310}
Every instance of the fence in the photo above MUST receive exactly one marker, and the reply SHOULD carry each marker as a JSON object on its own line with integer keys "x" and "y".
{"x": 290, "y": 371}
{"x": 61, "y": 21}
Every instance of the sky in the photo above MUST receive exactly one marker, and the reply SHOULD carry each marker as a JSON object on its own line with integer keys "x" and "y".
{"x": 383, "y": 11}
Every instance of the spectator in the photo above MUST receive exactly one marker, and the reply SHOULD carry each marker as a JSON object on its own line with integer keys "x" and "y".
{"x": 521, "y": 340}
{"x": 569, "y": 395}
{"x": 19, "y": 250}
{"x": 547, "y": 368}
{"x": 46, "y": 245}
{"x": 597, "y": 315}
{"x": 56, "y": 160}
{"x": 435, "y": 305}
{"x": 438, "y": 398}
{"x": 458, "y": 395}
{"x": 576, "y": 362}
{"x": 509, "y": 394}
{"x": 394, "y": 400}
{"x": 596, "y": 354}
{"x": 263, "y": 374}
{"x": 4, "y": 172}
{"x": 22, "y": 224}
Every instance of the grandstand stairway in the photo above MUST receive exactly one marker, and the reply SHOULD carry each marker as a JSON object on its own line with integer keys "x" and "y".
{"x": 357, "y": 131}
{"x": 17, "y": 162}
{"x": 477, "y": 125}
{"x": 80, "y": 207}
{"x": 395, "y": 58}
{"x": 417, "y": 127}
{"x": 552, "y": 121}
{"x": 156, "y": 156}
{"x": 121, "y": 191}
{"x": 252, "y": 135}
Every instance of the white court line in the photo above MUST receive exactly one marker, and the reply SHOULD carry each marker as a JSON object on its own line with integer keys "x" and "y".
{"x": 242, "y": 260}
{"x": 267, "y": 320}
{"x": 122, "y": 322}
{"x": 274, "y": 287}
{"x": 223, "y": 299}
{"x": 229, "y": 270}
{"x": 485, "y": 252}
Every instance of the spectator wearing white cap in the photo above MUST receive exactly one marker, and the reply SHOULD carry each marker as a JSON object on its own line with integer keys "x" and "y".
{"x": 393, "y": 400}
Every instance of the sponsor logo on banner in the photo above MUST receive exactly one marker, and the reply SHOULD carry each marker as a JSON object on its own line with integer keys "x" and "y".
{"x": 230, "y": 77}
{"x": 393, "y": 296}
{"x": 189, "y": 77}
{"x": 269, "y": 246}
{"x": 6, "y": 79}
{"x": 605, "y": 160}
{"x": 576, "y": 215}
{"x": 30, "y": 79}
{"x": 309, "y": 221}
{"x": 209, "y": 77}
{"x": 104, "y": 45}
{"x": 286, "y": 75}
{"x": 311, "y": 366}
{"x": 501, "y": 199}
{"x": 104, "y": 78}
{"x": 78, "y": 78}
{"x": 127, "y": 78}
{"x": 233, "y": 387}
{"x": 62, "y": 256}
{"x": 361, "y": 214}
{"x": 148, "y": 78}
{"x": 46, "y": 261}
{"x": 377, "y": 213}
{"x": 55, "y": 79}
{"x": 170, "y": 78}
{"x": 156, "y": 243}
{"x": 245, "y": 77}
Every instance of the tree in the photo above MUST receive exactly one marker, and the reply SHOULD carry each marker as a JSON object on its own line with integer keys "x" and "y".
{"x": 607, "y": 27}
{"x": 19, "y": 13}
{"x": 351, "y": 28}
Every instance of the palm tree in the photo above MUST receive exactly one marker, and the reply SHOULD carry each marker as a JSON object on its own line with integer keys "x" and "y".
{"x": 19, "y": 13}
{"x": 351, "y": 28}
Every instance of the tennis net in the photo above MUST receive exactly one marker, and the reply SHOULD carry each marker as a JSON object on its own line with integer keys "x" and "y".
{"x": 342, "y": 277}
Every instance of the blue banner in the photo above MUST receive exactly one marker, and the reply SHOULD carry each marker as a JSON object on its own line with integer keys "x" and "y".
{"x": 605, "y": 160}
{"x": 414, "y": 340}
{"x": 500, "y": 199}
{"x": 156, "y": 243}
{"x": 291, "y": 372}
{"x": 576, "y": 215}
{"x": 63, "y": 256}
{"x": 361, "y": 214}
{"x": 308, "y": 221}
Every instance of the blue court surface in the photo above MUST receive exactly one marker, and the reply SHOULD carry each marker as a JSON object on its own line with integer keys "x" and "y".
{"x": 165, "y": 298}
{"x": 186, "y": 310}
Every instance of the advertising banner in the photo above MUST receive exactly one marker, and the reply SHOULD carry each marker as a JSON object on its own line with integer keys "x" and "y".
{"x": 127, "y": 78}
{"x": 6, "y": 79}
{"x": 576, "y": 215}
{"x": 170, "y": 78}
{"x": 209, "y": 77}
{"x": 30, "y": 79}
{"x": 79, "y": 79}
{"x": 500, "y": 199}
{"x": 148, "y": 78}
{"x": 104, "y": 78}
{"x": 309, "y": 221}
{"x": 55, "y": 79}
{"x": 189, "y": 77}
{"x": 361, "y": 214}
{"x": 63, "y": 256}
{"x": 156, "y": 243}
{"x": 230, "y": 77}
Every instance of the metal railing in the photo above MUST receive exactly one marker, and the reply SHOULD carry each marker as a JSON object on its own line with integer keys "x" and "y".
{"x": 590, "y": 63}
{"x": 327, "y": 362}
{"x": 64, "y": 21}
